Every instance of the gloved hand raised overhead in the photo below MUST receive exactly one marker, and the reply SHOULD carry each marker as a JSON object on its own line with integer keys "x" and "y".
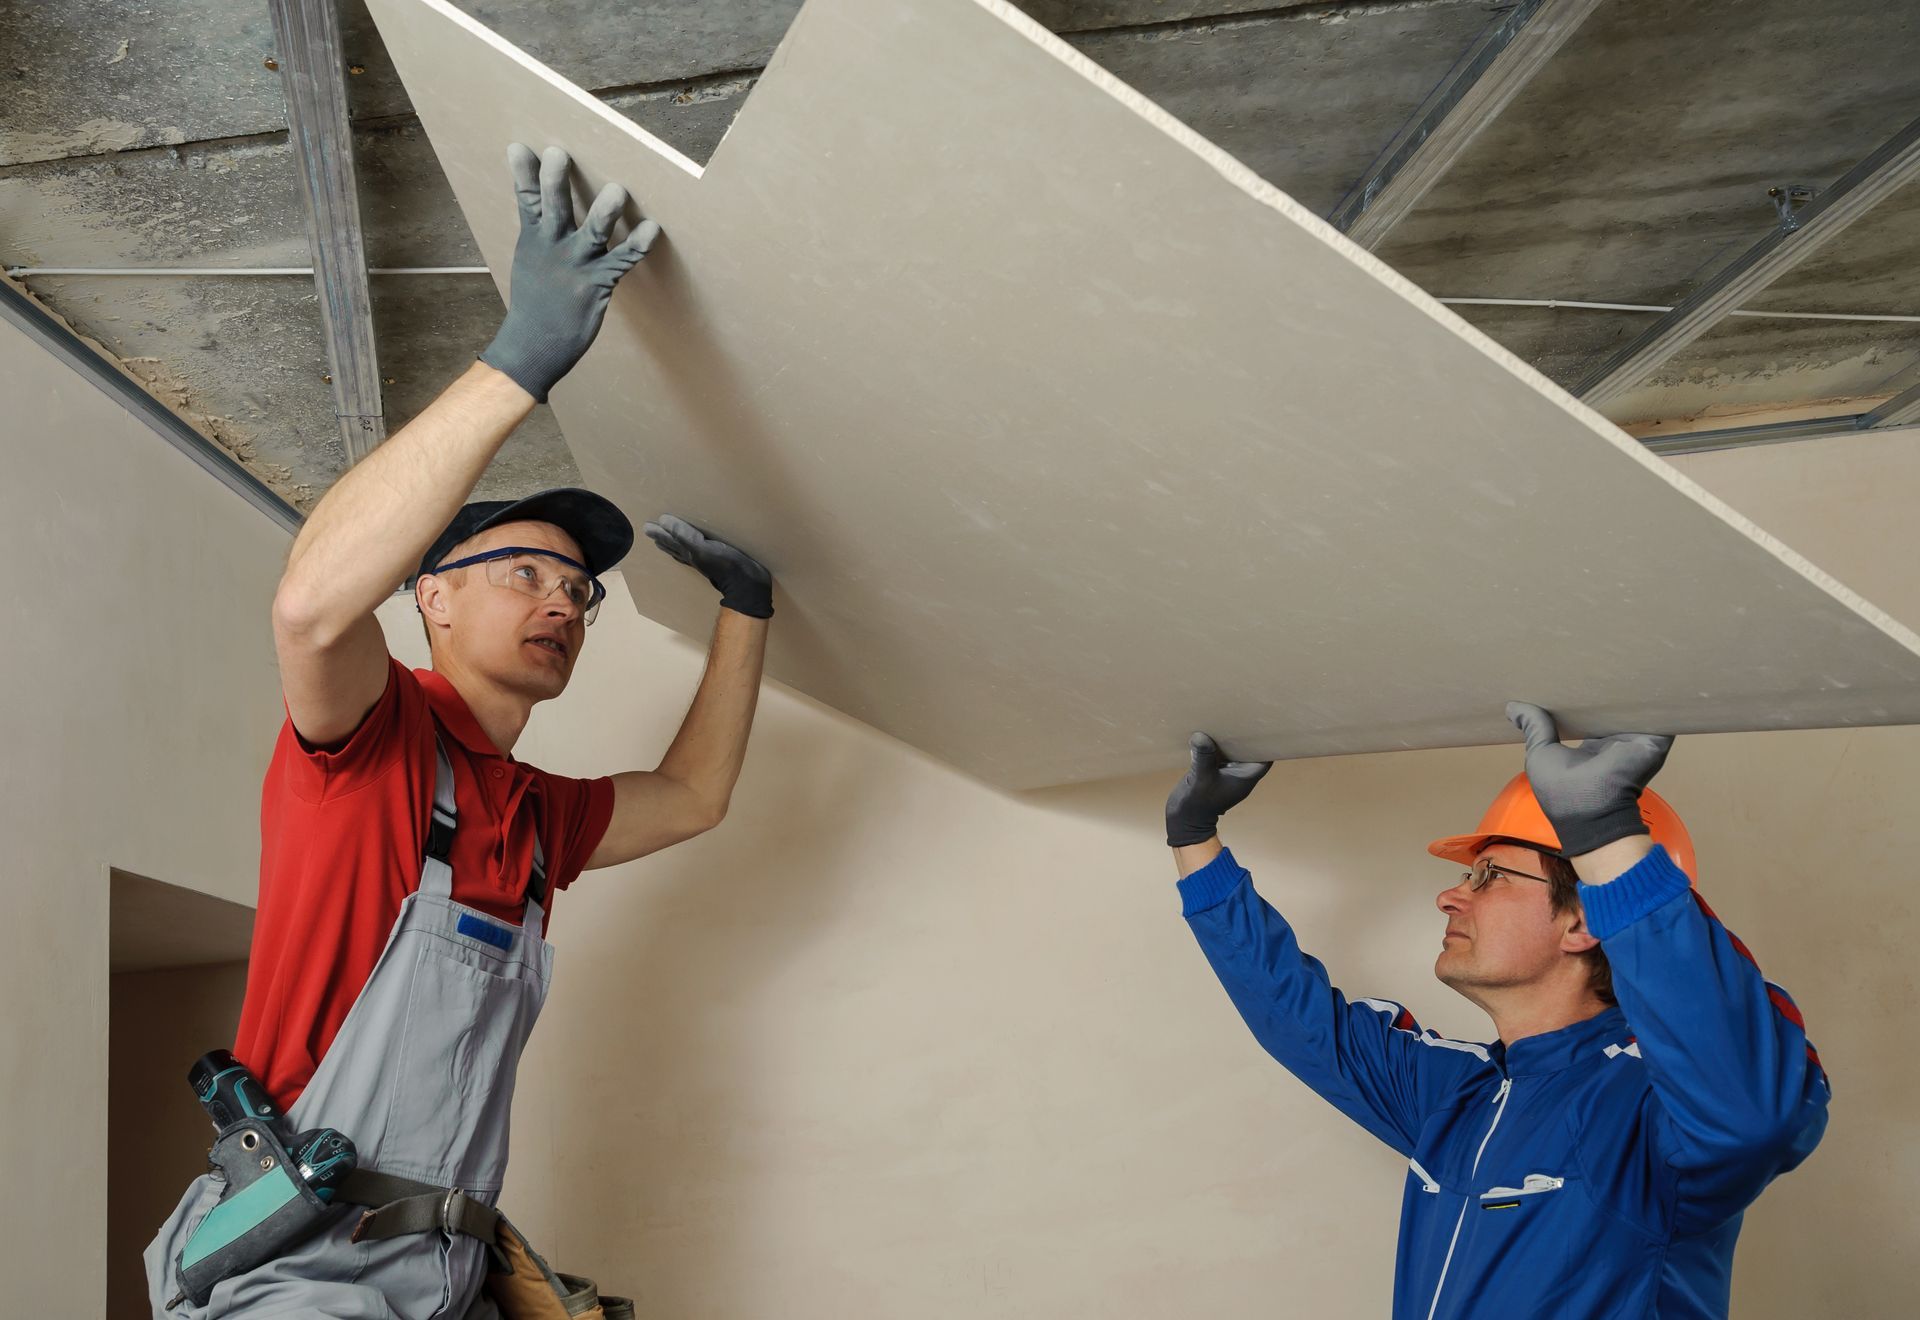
{"x": 1591, "y": 793}
{"x": 563, "y": 276}
{"x": 743, "y": 582}
{"x": 1213, "y": 786}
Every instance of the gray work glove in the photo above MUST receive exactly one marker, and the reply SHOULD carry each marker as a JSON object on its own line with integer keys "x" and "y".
{"x": 1591, "y": 793}
{"x": 562, "y": 277}
{"x": 744, "y": 584}
{"x": 1213, "y": 786}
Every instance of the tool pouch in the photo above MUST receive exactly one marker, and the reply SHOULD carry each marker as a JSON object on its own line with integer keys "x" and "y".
{"x": 525, "y": 1287}
{"x": 265, "y": 1209}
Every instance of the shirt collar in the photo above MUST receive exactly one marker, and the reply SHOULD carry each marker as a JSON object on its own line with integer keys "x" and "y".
{"x": 1553, "y": 1051}
{"x": 450, "y": 708}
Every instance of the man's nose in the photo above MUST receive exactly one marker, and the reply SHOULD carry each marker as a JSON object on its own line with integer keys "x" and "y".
{"x": 1453, "y": 899}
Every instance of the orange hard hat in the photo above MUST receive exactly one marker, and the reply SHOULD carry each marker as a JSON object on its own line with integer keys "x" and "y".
{"x": 1516, "y": 814}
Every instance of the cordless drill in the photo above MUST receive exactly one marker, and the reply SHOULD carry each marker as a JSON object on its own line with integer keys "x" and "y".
{"x": 275, "y": 1191}
{"x": 229, "y": 1093}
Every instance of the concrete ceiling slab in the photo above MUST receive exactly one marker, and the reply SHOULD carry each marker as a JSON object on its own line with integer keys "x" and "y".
{"x": 445, "y": 321}
{"x": 1757, "y": 366}
{"x": 1637, "y": 165}
{"x": 1280, "y": 91}
{"x": 1082, "y": 15}
{"x": 1276, "y": 87}
{"x": 92, "y": 76}
{"x": 1631, "y": 169}
{"x": 1560, "y": 343}
{"x": 238, "y": 205}
{"x": 204, "y": 204}
{"x": 244, "y": 355}
{"x": 1754, "y": 364}
{"x": 1748, "y": 366}
{"x": 648, "y": 41}
{"x": 1065, "y": 442}
{"x": 1874, "y": 267}
{"x": 233, "y": 355}
{"x": 1638, "y": 161}
{"x": 242, "y": 358}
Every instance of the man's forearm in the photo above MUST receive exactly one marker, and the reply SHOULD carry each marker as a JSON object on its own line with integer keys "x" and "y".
{"x": 1610, "y": 861}
{"x": 1195, "y": 856}
{"x": 711, "y": 746}
{"x": 370, "y": 530}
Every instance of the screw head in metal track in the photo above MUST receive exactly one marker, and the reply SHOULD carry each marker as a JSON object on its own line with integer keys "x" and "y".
{"x": 356, "y": 69}
{"x": 1788, "y": 198}
{"x": 271, "y": 62}
{"x": 327, "y": 379}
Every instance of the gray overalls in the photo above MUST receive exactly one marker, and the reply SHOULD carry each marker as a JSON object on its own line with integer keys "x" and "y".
{"x": 420, "y": 1077}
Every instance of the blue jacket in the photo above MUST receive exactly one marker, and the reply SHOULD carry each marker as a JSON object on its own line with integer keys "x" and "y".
{"x": 1597, "y": 1170}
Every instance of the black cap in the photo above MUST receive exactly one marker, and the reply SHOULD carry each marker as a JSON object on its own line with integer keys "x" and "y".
{"x": 602, "y": 531}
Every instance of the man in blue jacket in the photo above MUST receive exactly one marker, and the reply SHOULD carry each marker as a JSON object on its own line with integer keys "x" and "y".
{"x": 1646, "y": 1084}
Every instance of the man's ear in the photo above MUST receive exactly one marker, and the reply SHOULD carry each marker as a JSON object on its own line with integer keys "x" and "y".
{"x": 1576, "y": 938}
{"x": 430, "y": 595}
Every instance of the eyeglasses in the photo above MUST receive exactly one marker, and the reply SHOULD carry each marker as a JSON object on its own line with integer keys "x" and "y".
{"x": 1485, "y": 869}
{"x": 531, "y": 572}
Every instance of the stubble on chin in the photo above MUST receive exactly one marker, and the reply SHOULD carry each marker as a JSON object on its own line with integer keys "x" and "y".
{"x": 1453, "y": 972}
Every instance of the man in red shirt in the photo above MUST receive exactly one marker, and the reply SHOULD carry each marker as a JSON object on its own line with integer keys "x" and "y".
{"x": 408, "y": 860}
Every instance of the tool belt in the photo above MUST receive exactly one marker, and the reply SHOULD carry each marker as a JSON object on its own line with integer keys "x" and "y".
{"x": 519, "y": 1281}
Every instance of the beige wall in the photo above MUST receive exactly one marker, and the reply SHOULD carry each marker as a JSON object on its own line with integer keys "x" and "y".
{"x": 140, "y": 708}
{"x": 890, "y": 1043}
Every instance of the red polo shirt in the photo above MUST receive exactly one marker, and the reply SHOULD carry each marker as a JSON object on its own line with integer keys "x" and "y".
{"x": 342, "y": 832}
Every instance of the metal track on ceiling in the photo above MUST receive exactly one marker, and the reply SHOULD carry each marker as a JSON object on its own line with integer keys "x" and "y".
{"x": 51, "y": 334}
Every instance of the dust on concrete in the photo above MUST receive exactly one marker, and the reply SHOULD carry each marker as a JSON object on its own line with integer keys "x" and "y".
{"x": 172, "y": 389}
{"x": 93, "y": 138}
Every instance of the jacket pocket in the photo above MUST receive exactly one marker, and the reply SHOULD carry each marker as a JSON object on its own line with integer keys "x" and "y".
{"x": 1513, "y": 1198}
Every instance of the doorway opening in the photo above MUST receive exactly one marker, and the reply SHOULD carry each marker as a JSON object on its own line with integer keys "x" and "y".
{"x": 176, "y": 973}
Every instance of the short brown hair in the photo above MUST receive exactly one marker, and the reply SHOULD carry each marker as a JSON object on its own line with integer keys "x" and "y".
{"x": 1563, "y": 896}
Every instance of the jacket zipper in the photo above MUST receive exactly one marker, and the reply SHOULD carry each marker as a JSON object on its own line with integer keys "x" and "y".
{"x": 1506, "y": 1085}
{"x": 1427, "y": 1184}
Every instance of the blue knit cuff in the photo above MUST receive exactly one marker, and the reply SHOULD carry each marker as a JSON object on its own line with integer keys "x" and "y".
{"x": 1211, "y": 884}
{"x": 1652, "y": 882}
